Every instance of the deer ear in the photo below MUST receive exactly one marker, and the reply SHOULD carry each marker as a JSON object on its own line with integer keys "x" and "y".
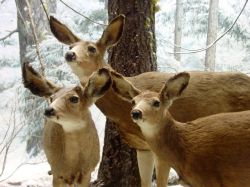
{"x": 36, "y": 83}
{"x": 113, "y": 32}
{"x": 123, "y": 87}
{"x": 98, "y": 84}
{"x": 174, "y": 87}
{"x": 62, "y": 32}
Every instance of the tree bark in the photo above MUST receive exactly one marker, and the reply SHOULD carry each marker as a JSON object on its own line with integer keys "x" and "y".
{"x": 212, "y": 35}
{"x": 26, "y": 39}
{"x": 134, "y": 54}
{"x": 23, "y": 25}
{"x": 24, "y": 31}
{"x": 178, "y": 29}
{"x": 52, "y": 6}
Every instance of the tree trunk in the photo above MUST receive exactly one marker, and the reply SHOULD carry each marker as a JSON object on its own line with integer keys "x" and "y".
{"x": 24, "y": 31}
{"x": 134, "y": 54}
{"x": 212, "y": 35}
{"x": 23, "y": 26}
{"x": 178, "y": 29}
{"x": 26, "y": 39}
{"x": 52, "y": 6}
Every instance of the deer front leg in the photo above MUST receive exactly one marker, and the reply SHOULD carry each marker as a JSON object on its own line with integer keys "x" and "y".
{"x": 146, "y": 167}
{"x": 85, "y": 180}
{"x": 162, "y": 172}
{"x": 57, "y": 182}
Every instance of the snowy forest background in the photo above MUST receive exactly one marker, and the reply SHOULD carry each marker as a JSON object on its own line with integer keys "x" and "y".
{"x": 22, "y": 161}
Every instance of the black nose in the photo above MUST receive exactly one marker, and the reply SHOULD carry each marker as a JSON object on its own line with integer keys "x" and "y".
{"x": 49, "y": 112}
{"x": 136, "y": 114}
{"x": 70, "y": 56}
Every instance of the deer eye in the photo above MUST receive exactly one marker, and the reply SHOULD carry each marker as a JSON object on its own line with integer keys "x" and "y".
{"x": 133, "y": 103}
{"x": 156, "y": 103}
{"x": 50, "y": 99}
{"x": 74, "y": 99}
{"x": 91, "y": 49}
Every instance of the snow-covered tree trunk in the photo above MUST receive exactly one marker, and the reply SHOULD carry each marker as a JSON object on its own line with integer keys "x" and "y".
{"x": 26, "y": 40}
{"x": 23, "y": 24}
{"x": 134, "y": 54}
{"x": 52, "y": 6}
{"x": 24, "y": 31}
{"x": 212, "y": 35}
{"x": 178, "y": 29}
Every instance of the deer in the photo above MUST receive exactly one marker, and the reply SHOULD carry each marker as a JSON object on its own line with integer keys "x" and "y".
{"x": 208, "y": 93}
{"x": 209, "y": 151}
{"x": 70, "y": 138}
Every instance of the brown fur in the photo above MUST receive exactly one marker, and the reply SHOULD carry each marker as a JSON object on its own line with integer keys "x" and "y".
{"x": 210, "y": 151}
{"x": 208, "y": 92}
{"x": 72, "y": 154}
{"x": 37, "y": 82}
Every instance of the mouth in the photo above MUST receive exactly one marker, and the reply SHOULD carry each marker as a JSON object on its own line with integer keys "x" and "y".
{"x": 137, "y": 120}
{"x": 73, "y": 63}
{"x": 52, "y": 117}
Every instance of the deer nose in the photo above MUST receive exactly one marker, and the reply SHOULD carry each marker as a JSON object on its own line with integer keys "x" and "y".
{"x": 49, "y": 112}
{"x": 136, "y": 114}
{"x": 70, "y": 56}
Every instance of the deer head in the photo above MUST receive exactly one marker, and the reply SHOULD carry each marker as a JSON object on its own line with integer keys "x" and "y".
{"x": 85, "y": 57}
{"x": 149, "y": 106}
{"x": 68, "y": 106}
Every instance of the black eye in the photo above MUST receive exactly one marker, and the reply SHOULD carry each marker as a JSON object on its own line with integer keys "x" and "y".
{"x": 133, "y": 103}
{"x": 91, "y": 49}
{"x": 50, "y": 99}
{"x": 156, "y": 103}
{"x": 74, "y": 99}
{"x": 70, "y": 47}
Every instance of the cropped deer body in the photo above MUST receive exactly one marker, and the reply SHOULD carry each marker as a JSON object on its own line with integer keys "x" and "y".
{"x": 211, "y": 151}
{"x": 208, "y": 93}
{"x": 70, "y": 138}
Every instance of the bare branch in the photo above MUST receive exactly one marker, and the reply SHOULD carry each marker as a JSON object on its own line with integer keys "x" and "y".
{"x": 9, "y": 138}
{"x": 190, "y": 51}
{"x": 1, "y": 2}
{"x": 8, "y": 35}
{"x": 5, "y": 135}
{"x": 5, "y": 159}
{"x": 18, "y": 167}
{"x": 81, "y": 14}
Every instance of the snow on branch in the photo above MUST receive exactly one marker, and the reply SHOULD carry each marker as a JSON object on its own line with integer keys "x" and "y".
{"x": 91, "y": 20}
{"x": 13, "y": 130}
{"x": 1, "y": 2}
{"x": 8, "y": 35}
{"x": 190, "y": 51}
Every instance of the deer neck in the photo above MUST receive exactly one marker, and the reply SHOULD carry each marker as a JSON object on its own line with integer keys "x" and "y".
{"x": 118, "y": 111}
{"x": 167, "y": 141}
{"x": 79, "y": 125}
{"x": 83, "y": 73}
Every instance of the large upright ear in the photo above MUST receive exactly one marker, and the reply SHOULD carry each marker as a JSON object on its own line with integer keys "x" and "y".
{"x": 62, "y": 32}
{"x": 98, "y": 84}
{"x": 123, "y": 87}
{"x": 36, "y": 83}
{"x": 113, "y": 32}
{"x": 174, "y": 86}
